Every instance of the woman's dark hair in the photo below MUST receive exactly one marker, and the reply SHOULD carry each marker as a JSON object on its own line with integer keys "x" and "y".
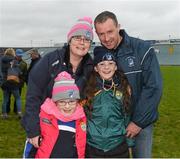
{"x": 124, "y": 87}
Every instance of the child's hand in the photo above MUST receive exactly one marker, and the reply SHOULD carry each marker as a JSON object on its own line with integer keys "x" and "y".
{"x": 35, "y": 141}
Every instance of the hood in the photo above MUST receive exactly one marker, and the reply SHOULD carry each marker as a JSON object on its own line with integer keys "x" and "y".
{"x": 50, "y": 108}
{"x": 7, "y": 58}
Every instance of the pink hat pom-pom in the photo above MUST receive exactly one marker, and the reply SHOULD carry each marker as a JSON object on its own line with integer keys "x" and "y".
{"x": 88, "y": 19}
{"x": 63, "y": 76}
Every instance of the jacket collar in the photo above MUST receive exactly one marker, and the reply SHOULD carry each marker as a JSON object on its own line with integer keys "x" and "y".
{"x": 125, "y": 45}
{"x": 87, "y": 60}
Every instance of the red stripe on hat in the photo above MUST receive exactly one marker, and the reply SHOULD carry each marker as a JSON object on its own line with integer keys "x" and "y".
{"x": 79, "y": 27}
{"x": 60, "y": 89}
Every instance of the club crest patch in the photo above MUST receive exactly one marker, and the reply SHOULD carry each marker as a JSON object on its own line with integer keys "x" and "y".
{"x": 88, "y": 34}
{"x": 71, "y": 93}
{"x": 108, "y": 56}
{"x": 118, "y": 94}
{"x": 130, "y": 61}
{"x": 83, "y": 126}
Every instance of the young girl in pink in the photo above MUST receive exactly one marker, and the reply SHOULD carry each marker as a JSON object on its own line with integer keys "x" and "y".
{"x": 62, "y": 123}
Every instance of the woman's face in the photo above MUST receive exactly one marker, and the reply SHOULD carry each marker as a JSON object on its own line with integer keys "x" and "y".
{"x": 79, "y": 46}
{"x": 106, "y": 69}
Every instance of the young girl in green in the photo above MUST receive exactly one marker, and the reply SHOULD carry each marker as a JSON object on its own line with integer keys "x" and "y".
{"x": 108, "y": 108}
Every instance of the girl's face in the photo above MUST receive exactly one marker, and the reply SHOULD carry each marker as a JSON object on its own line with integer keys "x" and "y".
{"x": 106, "y": 69}
{"x": 67, "y": 107}
{"x": 79, "y": 46}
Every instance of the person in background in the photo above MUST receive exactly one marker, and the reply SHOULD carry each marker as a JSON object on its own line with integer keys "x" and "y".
{"x": 138, "y": 61}
{"x": 8, "y": 87}
{"x": 23, "y": 68}
{"x": 73, "y": 58}
{"x": 35, "y": 57}
{"x": 108, "y": 113}
{"x": 1, "y": 75}
{"x": 62, "y": 123}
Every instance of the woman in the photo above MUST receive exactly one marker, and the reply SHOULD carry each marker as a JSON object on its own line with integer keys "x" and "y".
{"x": 10, "y": 87}
{"x": 73, "y": 58}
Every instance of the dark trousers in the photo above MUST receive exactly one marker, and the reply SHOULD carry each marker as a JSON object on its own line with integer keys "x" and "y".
{"x": 121, "y": 151}
{"x": 8, "y": 106}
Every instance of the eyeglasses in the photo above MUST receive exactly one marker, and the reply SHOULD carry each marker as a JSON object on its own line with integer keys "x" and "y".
{"x": 63, "y": 103}
{"x": 80, "y": 38}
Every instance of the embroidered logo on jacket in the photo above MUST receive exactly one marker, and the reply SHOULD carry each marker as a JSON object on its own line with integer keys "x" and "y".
{"x": 83, "y": 126}
{"x": 47, "y": 121}
{"x": 130, "y": 61}
{"x": 118, "y": 95}
{"x": 55, "y": 63}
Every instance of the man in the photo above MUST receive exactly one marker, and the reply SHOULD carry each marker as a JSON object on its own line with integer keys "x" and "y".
{"x": 22, "y": 65}
{"x": 139, "y": 62}
{"x": 35, "y": 57}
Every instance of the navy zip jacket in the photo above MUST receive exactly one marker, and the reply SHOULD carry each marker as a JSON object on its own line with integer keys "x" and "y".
{"x": 138, "y": 61}
{"x": 41, "y": 80}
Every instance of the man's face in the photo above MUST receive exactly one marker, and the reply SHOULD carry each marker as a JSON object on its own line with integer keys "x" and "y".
{"x": 18, "y": 57}
{"x": 33, "y": 55}
{"x": 108, "y": 33}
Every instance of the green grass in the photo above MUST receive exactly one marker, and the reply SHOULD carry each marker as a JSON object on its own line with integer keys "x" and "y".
{"x": 12, "y": 135}
{"x": 166, "y": 133}
{"x": 167, "y": 128}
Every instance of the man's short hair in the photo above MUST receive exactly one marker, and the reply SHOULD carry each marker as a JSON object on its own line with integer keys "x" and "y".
{"x": 34, "y": 51}
{"x": 103, "y": 16}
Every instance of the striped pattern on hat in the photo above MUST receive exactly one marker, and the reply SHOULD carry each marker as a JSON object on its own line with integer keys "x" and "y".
{"x": 64, "y": 87}
{"x": 83, "y": 27}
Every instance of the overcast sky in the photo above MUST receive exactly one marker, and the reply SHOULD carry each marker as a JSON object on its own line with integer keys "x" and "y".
{"x": 45, "y": 22}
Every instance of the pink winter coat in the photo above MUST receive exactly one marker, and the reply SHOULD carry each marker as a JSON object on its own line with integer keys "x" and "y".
{"x": 49, "y": 116}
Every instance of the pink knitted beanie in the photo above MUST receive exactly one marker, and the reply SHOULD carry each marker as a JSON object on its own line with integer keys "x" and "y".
{"x": 82, "y": 27}
{"x": 64, "y": 87}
